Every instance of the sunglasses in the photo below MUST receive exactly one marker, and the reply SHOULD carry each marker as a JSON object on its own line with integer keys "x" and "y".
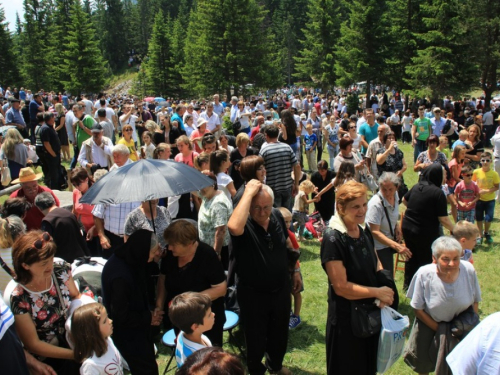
{"x": 352, "y": 127}
{"x": 40, "y": 243}
{"x": 485, "y": 160}
{"x": 467, "y": 175}
{"x": 127, "y": 130}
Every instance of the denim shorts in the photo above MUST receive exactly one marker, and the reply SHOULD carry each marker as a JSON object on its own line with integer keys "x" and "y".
{"x": 485, "y": 210}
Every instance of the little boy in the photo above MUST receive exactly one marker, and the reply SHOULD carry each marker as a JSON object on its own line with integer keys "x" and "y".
{"x": 192, "y": 314}
{"x": 297, "y": 297}
{"x": 443, "y": 146}
{"x": 488, "y": 181}
{"x": 462, "y": 137}
{"x": 466, "y": 195}
{"x": 311, "y": 141}
{"x": 466, "y": 233}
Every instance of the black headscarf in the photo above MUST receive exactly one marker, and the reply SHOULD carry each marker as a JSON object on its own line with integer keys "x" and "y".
{"x": 432, "y": 175}
{"x": 135, "y": 252}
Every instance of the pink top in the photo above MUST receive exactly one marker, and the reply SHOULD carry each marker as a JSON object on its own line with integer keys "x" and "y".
{"x": 454, "y": 164}
{"x": 197, "y": 134}
{"x": 189, "y": 160}
{"x": 466, "y": 193}
{"x": 83, "y": 211}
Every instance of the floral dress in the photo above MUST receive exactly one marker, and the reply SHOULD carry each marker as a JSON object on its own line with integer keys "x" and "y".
{"x": 45, "y": 307}
{"x": 214, "y": 213}
{"x": 136, "y": 220}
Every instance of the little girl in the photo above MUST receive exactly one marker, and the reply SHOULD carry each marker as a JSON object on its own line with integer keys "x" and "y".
{"x": 186, "y": 154}
{"x": 300, "y": 207}
{"x": 91, "y": 329}
{"x": 219, "y": 163}
{"x": 148, "y": 148}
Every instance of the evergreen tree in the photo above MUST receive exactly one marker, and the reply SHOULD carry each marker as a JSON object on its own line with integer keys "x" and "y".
{"x": 158, "y": 68}
{"x": 443, "y": 63}
{"x": 82, "y": 57}
{"x": 227, "y": 47}
{"x": 316, "y": 60}
{"x": 362, "y": 48}
{"x": 8, "y": 64}
{"x": 113, "y": 42}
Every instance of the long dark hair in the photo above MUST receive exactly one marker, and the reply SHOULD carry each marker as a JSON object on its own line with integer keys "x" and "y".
{"x": 289, "y": 122}
{"x": 78, "y": 175}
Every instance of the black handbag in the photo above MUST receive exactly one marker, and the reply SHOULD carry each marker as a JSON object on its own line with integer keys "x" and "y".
{"x": 464, "y": 322}
{"x": 366, "y": 319}
{"x": 236, "y": 125}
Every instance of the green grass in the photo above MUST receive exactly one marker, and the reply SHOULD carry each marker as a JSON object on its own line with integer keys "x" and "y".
{"x": 306, "y": 346}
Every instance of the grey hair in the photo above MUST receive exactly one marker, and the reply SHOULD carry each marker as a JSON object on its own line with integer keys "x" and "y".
{"x": 121, "y": 149}
{"x": 77, "y": 106}
{"x": 268, "y": 190}
{"x": 389, "y": 177}
{"x": 445, "y": 243}
{"x": 44, "y": 201}
{"x": 16, "y": 226}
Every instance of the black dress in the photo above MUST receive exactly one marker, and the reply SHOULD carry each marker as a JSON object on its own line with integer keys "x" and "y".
{"x": 198, "y": 275}
{"x": 125, "y": 296}
{"x": 326, "y": 206}
{"x": 235, "y": 159}
{"x": 62, "y": 133}
{"x": 426, "y": 203}
{"x": 344, "y": 351}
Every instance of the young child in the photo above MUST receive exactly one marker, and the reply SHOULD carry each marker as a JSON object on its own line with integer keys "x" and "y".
{"x": 297, "y": 297}
{"x": 219, "y": 164}
{"x": 192, "y": 314}
{"x": 300, "y": 207}
{"x": 443, "y": 146}
{"x": 466, "y": 194}
{"x": 311, "y": 142}
{"x": 488, "y": 181}
{"x": 91, "y": 329}
{"x": 462, "y": 137}
{"x": 148, "y": 148}
{"x": 466, "y": 233}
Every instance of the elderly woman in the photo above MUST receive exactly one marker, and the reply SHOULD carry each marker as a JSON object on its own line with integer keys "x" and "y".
{"x": 125, "y": 296}
{"x": 347, "y": 154}
{"x": 252, "y": 167}
{"x": 426, "y": 209}
{"x": 240, "y": 152}
{"x": 191, "y": 265}
{"x": 355, "y": 276}
{"x": 243, "y": 115}
{"x": 439, "y": 292}
{"x": 382, "y": 218}
{"x": 431, "y": 156}
{"x": 10, "y": 229}
{"x": 13, "y": 152}
{"x": 213, "y": 216}
{"x": 41, "y": 299}
{"x": 476, "y": 147}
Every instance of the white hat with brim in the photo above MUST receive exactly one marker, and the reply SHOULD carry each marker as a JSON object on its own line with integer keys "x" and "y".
{"x": 27, "y": 175}
{"x": 200, "y": 122}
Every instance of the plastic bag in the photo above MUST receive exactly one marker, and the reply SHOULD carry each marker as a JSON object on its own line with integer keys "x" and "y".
{"x": 392, "y": 338}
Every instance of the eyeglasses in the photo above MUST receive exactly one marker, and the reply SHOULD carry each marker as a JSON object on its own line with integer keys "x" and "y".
{"x": 40, "y": 243}
{"x": 485, "y": 160}
{"x": 352, "y": 127}
{"x": 467, "y": 175}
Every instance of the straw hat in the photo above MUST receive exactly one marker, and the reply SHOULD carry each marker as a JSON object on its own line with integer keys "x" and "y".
{"x": 27, "y": 175}
{"x": 200, "y": 122}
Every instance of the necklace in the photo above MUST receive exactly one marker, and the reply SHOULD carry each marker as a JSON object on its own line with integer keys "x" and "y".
{"x": 37, "y": 288}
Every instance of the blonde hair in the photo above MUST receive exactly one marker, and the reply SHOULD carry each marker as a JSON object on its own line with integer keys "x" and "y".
{"x": 465, "y": 229}
{"x": 151, "y": 126}
{"x": 242, "y": 138}
{"x": 11, "y": 140}
{"x": 463, "y": 133}
{"x": 184, "y": 139}
{"x": 306, "y": 185}
{"x": 10, "y": 228}
{"x": 285, "y": 213}
{"x": 59, "y": 109}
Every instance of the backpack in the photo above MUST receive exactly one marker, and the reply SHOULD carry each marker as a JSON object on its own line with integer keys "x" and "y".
{"x": 446, "y": 127}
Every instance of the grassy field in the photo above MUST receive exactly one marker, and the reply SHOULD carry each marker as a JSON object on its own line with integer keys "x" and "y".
{"x": 306, "y": 347}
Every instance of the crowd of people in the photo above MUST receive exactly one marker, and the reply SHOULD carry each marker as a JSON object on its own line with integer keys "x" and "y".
{"x": 173, "y": 262}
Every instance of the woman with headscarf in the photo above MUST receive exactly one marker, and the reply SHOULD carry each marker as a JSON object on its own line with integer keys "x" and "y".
{"x": 125, "y": 296}
{"x": 426, "y": 209}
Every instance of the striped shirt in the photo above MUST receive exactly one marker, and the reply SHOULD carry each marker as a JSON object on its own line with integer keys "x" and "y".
{"x": 6, "y": 317}
{"x": 186, "y": 347}
{"x": 279, "y": 160}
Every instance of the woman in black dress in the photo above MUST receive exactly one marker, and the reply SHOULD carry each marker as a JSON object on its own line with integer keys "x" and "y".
{"x": 320, "y": 179}
{"x": 241, "y": 151}
{"x": 125, "y": 296}
{"x": 355, "y": 274}
{"x": 426, "y": 209}
{"x": 192, "y": 266}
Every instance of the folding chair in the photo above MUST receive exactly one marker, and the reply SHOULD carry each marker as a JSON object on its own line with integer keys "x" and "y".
{"x": 168, "y": 339}
{"x": 232, "y": 320}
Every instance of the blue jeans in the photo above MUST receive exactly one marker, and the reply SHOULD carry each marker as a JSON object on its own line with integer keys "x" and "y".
{"x": 421, "y": 146}
{"x": 296, "y": 150}
{"x": 332, "y": 152}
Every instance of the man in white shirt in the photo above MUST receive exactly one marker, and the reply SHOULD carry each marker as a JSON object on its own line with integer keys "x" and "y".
{"x": 97, "y": 151}
{"x": 213, "y": 121}
{"x": 110, "y": 114}
{"x": 89, "y": 106}
{"x": 261, "y": 106}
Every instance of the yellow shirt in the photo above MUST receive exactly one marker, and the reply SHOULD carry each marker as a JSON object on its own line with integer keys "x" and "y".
{"x": 486, "y": 180}
{"x": 131, "y": 147}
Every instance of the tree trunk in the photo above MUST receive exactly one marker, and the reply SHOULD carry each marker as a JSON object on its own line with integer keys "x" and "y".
{"x": 368, "y": 88}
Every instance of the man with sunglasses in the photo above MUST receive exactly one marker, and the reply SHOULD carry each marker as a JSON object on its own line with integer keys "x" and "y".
{"x": 488, "y": 182}
{"x": 96, "y": 152}
{"x": 260, "y": 246}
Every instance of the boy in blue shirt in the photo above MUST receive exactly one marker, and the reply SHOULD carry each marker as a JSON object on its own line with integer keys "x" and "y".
{"x": 311, "y": 142}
